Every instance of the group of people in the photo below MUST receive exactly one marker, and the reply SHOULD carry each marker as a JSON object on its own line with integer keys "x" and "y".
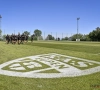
{"x": 20, "y": 38}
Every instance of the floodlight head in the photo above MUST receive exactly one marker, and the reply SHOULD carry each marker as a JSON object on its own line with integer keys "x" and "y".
{"x": 0, "y": 16}
{"x": 78, "y": 18}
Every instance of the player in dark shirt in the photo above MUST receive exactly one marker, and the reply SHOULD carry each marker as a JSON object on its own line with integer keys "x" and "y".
{"x": 13, "y": 39}
{"x": 32, "y": 36}
{"x": 58, "y": 39}
{"x": 22, "y": 38}
{"x": 18, "y": 38}
{"x": 26, "y": 38}
{"x": 7, "y": 39}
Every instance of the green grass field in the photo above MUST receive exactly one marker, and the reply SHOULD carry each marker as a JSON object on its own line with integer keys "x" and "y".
{"x": 85, "y": 50}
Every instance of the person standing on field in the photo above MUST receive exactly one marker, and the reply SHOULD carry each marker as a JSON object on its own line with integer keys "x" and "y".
{"x": 22, "y": 38}
{"x": 32, "y": 36}
{"x": 18, "y": 38}
{"x": 26, "y": 38}
{"x": 7, "y": 39}
{"x": 11, "y": 38}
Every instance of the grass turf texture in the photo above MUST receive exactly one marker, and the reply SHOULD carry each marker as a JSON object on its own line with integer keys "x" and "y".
{"x": 86, "y": 50}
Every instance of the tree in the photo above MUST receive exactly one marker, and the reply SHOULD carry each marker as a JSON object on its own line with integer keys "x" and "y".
{"x": 26, "y": 33}
{"x": 4, "y": 37}
{"x": 50, "y": 37}
{"x": 80, "y": 36}
{"x": 40, "y": 38}
{"x": 85, "y": 38}
{"x": 73, "y": 38}
{"x": 0, "y": 32}
{"x": 0, "y": 35}
{"x": 37, "y": 32}
{"x": 65, "y": 38}
{"x": 95, "y": 34}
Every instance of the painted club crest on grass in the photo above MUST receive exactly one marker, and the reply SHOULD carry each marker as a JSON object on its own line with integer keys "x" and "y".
{"x": 49, "y": 66}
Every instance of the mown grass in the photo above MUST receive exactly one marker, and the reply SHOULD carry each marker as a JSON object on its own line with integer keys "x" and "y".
{"x": 76, "y": 46}
{"x": 86, "y": 50}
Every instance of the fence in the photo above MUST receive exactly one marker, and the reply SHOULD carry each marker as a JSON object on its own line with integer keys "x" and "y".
{"x": 56, "y": 35}
{"x": 44, "y": 35}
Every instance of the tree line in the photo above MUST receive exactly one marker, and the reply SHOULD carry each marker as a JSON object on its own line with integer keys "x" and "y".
{"x": 92, "y": 36}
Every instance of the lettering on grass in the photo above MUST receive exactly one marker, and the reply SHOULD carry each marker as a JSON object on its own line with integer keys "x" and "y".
{"x": 49, "y": 66}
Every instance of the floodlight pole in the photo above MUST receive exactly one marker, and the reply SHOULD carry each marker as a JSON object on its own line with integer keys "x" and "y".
{"x": 0, "y": 25}
{"x": 77, "y": 27}
{"x": 0, "y": 21}
{"x": 4, "y": 32}
{"x": 62, "y": 35}
{"x": 30, "y": 32}
{"x": 44, "y": 35}
{"x": 14, "y": 31}
{"x": 56, "y": 35}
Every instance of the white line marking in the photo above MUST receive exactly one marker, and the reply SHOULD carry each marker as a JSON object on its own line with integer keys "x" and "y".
{"x": 64, "y": 68}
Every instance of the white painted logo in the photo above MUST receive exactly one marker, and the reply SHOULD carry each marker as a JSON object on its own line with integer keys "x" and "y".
{"x": 49, "y": 66}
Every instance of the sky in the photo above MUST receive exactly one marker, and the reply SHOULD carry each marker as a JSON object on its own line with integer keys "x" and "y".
{"x": 56, "y": 17}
